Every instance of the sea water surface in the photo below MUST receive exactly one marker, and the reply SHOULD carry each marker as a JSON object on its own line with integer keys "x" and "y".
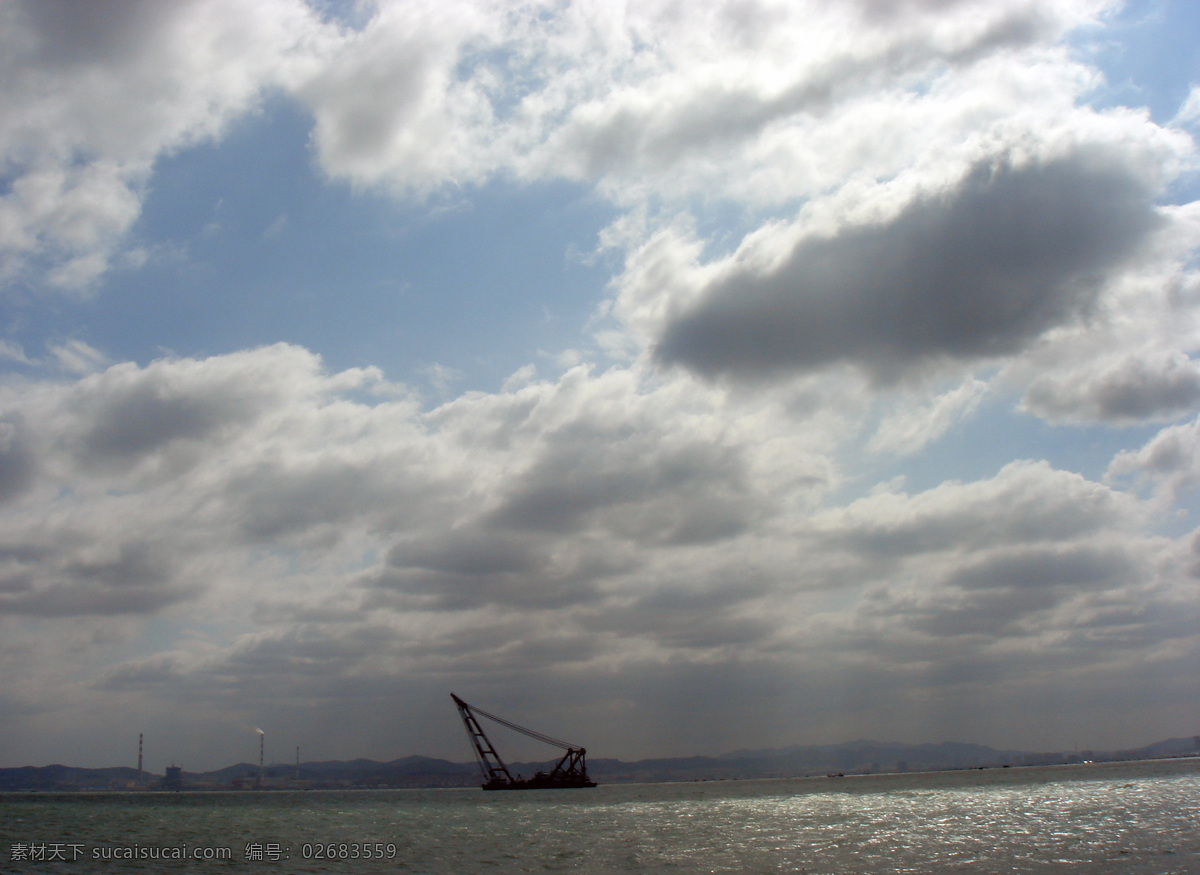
{"x": 1119, "y": 818}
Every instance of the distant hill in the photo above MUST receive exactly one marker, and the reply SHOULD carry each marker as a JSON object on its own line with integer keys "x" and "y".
{"x": 1172, "y": 747}
{"x": 855, "y": 757}
{"x": 58, "y": 777}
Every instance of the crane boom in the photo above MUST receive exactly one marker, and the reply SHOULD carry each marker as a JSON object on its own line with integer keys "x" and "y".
{"x": 490, "y": 764}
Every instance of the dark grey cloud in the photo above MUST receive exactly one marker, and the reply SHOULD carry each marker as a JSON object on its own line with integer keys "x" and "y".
{"x": 138, "y": 579}
{"x": 1026, "y": 610}
{"x": 87, "y": 33}
{"x": 130, "y": 415}
{"x": 470, "y": 552}
{"x": 274, "y": 499}
{"x": 1135, "y": 390}
{"x": 991, "y": 597}
{"x": 160, "y": 670}
{"x": 591, "y": 501}
{"x": 637, "y": 483}
{"x": 467, "y": 570}
{"x": 698, "y": 613}
{"x": 509, "y": 644}
{"x": 1047, "y": 568}
{"x": 18, "y": 460}
{"x": 1034, "y": 555}
{"x": 305, "y": 653}
{"x": 993, "y": 613}
{"x": 979, "y": 271}
{"x": 354, "y": 125}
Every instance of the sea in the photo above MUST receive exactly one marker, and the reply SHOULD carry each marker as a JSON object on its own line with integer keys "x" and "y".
{"x": 1139, "y": 817}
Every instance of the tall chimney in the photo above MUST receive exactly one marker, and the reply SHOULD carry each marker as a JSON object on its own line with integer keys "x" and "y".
{"x": 262, "y": 738}
{"x": 139, "y": 783}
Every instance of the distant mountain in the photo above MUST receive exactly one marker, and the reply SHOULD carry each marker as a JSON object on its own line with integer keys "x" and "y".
{"x": 58, "y": 777}
{"x": 1172, "y": 747}
{"x": 855, "y": 757}
{"x": 413, "y": 771}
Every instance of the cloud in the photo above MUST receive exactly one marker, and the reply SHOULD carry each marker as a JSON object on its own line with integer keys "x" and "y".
{"x": 727, "y": 84}
{"x": 1189, "y": 112}
{"x": 601, "y": 532}
{"x": 133, "y": 578}
{"x": 640, "y": 482}
{"x": 922, "y": 211}
{"x": 911, "y": 429}
{"x": 441, "y": 376}
{"x": 980, "y": 270}
{"x": 128, "y": 416}
{"x": 761, "y": 103}
{"x": 646, "y": 103}
{"x": 979, "y": 586}
{"x": 77, "y": 357}
{"x": 124, "y": 486}
{"x": 13, "y": 352}
{"x": 1025, "y": 503}
{"x": 91, "y": 99}
{"x": 587, "y": 480}
{"x": 388, "y": 105}
{"x": 1171, "y": 460}
{"x": 17, "y": 457}
{"x": 511, "y": 497}
{"x": 1130, "y": 361}
{"x": 1024, "y": 613}
{"x": 1139, "y": 387}
{"x": 1008, "y": 584}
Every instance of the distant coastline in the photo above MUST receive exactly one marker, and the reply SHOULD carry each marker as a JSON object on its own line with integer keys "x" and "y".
{"x": 850, "y": 758}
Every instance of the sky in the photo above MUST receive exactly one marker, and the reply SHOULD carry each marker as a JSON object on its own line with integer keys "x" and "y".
{"x": 672, "y": 378}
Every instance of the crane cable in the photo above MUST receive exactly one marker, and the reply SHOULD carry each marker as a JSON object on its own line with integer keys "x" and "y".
{"x": 524, "y": 731}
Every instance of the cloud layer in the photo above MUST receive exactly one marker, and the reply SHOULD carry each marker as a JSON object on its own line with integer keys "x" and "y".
{"x": 847, "y": 235}
{"x": 591, "y": 531}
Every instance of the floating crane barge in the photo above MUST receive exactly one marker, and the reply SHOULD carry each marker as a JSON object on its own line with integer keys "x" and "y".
{"x": 570, "y": 772}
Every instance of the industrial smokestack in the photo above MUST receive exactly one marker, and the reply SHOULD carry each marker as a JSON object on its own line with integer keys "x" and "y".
{"x": 262, "y": 739}
{"x": 297, "y": 763}
{"x": 139, "y": 783}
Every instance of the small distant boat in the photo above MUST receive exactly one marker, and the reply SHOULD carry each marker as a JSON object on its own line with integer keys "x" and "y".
{"x": 569, "y": 773}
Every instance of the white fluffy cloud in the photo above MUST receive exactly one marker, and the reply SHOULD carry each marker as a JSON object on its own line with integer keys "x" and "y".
{"x": 647, "y": 101}
{"x": 93, "y": 95}
{"x": 762, "y": 102}
{"x": 912, "y": 427}
{"x": 1170, "y": 461}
